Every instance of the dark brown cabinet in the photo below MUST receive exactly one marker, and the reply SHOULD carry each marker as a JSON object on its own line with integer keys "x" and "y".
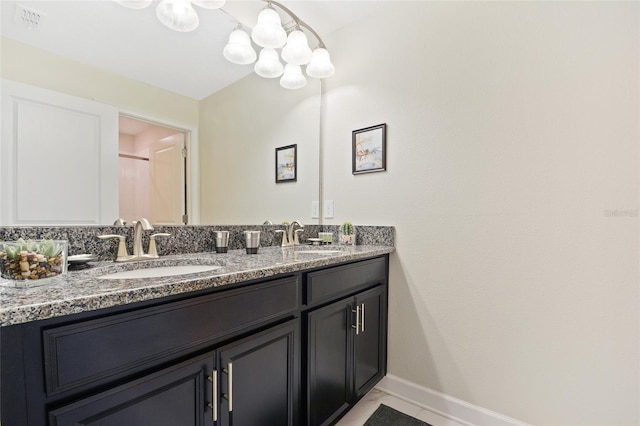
{"x": 163, "y": 364}
{"x": 346, "y": 348}
{"x": 371, "y": 340}
{"x": 177, "y": 395}
{"x": 255, "y": 382}
{"x": 329, "y": 343}
{"x": 259, "y": 378}
{"x": 298, "y": 349}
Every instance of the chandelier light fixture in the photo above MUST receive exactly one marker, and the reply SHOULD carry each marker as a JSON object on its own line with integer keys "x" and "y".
{"x": 270, "y": 34}
{"x": 179, "y": 15}
{"x": 276, "y": 40}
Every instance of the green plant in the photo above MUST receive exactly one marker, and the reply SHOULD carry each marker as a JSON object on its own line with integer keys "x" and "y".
{"x": 347, "y": 228}
{"x": 46, "y": 248}
{"x": 49, "y": 248}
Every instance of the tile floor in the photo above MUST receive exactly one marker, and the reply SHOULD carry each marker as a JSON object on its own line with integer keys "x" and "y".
{"x": 367, "y": 405}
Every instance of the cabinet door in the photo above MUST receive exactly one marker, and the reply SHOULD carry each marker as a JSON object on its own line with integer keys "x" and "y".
{"x": 329, "y": 362}
{"x": 370, "y": 347}
{"x": 177, "y": 395}
{"x": 260, "y": 379}
{"x": 53, "y": 138}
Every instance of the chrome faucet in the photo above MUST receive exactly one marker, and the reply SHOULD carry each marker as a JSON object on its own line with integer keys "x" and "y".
{"x": 138, "y": 251}
{"x": 289, "y": 236}
{"x": 293, "y": 235}
{"x": 138, "y": 227}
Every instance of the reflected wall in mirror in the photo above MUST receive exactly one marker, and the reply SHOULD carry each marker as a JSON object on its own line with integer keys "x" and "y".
{"x": 233, "y": 132}
{"x": 151, "y": 168}
{"x": 240, "y": 127}
{"x": 58, "y": 158}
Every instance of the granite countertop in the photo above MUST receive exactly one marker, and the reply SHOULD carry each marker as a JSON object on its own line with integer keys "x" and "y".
{"x": 82, "y": 290}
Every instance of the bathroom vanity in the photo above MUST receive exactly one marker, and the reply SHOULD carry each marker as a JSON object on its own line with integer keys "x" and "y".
{"x": 278, "y": 338}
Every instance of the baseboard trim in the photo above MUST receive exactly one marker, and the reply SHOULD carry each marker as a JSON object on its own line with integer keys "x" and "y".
{"x": 442, "y": 404}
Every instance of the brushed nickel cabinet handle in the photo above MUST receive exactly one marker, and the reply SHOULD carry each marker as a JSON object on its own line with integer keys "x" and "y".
{"x": 230, "y": 368}
{"x": 362, "y": 321}
{"x": 214, "y": 391}
{"x": 357, "y": 326}
{"x": 229, "y": 396}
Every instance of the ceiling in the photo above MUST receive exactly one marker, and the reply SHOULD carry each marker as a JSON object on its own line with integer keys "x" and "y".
{"x": 134, "y": 44}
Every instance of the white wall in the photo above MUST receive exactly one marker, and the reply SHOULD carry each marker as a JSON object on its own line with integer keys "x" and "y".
{"x": 513, "y": 133}
{"x": 24, "y": 63}
{"x": 128, "y": 182}
{"x": 135, "y": 184}
{"x": 21, "y": 62}
{"x": 240, "y": 128}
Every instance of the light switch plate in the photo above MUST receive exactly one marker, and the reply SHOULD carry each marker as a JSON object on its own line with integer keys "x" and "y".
{"x": 328, "y": 209}
{"x": 315, "y": 210}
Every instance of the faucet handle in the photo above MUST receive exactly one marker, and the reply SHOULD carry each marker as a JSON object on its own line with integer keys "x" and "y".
{"x": 153, "y": 251}
{"x": 122, "y": 246}
{"x": 296, "y": 241}
{"x": 284, "y": 243}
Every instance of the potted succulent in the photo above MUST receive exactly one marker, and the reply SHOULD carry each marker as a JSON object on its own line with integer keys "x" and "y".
{"x": 23, "y": 261}
{"x": 347, "y": 234}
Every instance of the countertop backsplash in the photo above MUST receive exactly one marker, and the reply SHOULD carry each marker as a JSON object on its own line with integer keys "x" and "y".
{"x": 184, "y": 239}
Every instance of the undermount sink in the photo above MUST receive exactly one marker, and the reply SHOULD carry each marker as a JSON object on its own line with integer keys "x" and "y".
{"x": 318, "y": 251}
{"x": 162, "y": 271}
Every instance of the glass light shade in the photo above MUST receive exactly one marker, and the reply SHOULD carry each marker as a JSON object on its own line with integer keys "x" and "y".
{"x": 268, "y": 31}
{"x": 297, "y": 50}
{"x": 320, "y": 65}
{"x": 239, "y": 50}
{"x": 178, "y": 15}
{"x": 134, "y": 4}
{"x": 268, "y": 65}
{"x": 292, "y": 77}
{"x": 209, "y": 4}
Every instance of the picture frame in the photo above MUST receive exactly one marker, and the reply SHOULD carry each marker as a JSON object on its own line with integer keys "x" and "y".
{"x": 287, "y": 163}
{"x": 369, "y": 149}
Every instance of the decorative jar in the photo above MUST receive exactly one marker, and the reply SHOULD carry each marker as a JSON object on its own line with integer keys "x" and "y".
{"x": 32, "y": 263}
{"x": 347, "y": 234}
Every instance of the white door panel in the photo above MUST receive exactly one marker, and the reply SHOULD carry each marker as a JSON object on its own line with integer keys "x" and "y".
{"x": 167, "y": 180}
{"x": 58, "y": 158}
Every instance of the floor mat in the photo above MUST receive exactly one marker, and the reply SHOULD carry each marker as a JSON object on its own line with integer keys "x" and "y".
{"x": 387, "y": 416}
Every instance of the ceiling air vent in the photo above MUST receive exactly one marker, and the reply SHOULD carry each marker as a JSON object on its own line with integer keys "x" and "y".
{"x": 28, "y": 17}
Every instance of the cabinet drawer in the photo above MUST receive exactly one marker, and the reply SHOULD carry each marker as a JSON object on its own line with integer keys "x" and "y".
{"x": 105, "y": 349}
{"x": 177, "y": 395}
{"x": 331, "y": 283}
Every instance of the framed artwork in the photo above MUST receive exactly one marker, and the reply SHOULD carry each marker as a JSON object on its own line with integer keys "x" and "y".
{"x": 369, "y": 150}
{"x": 287, "y": 163}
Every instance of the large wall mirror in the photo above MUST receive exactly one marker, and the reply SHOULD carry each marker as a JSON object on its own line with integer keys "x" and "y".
{"x": 232, "y": 131}
{"x": 241, "y": 127}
